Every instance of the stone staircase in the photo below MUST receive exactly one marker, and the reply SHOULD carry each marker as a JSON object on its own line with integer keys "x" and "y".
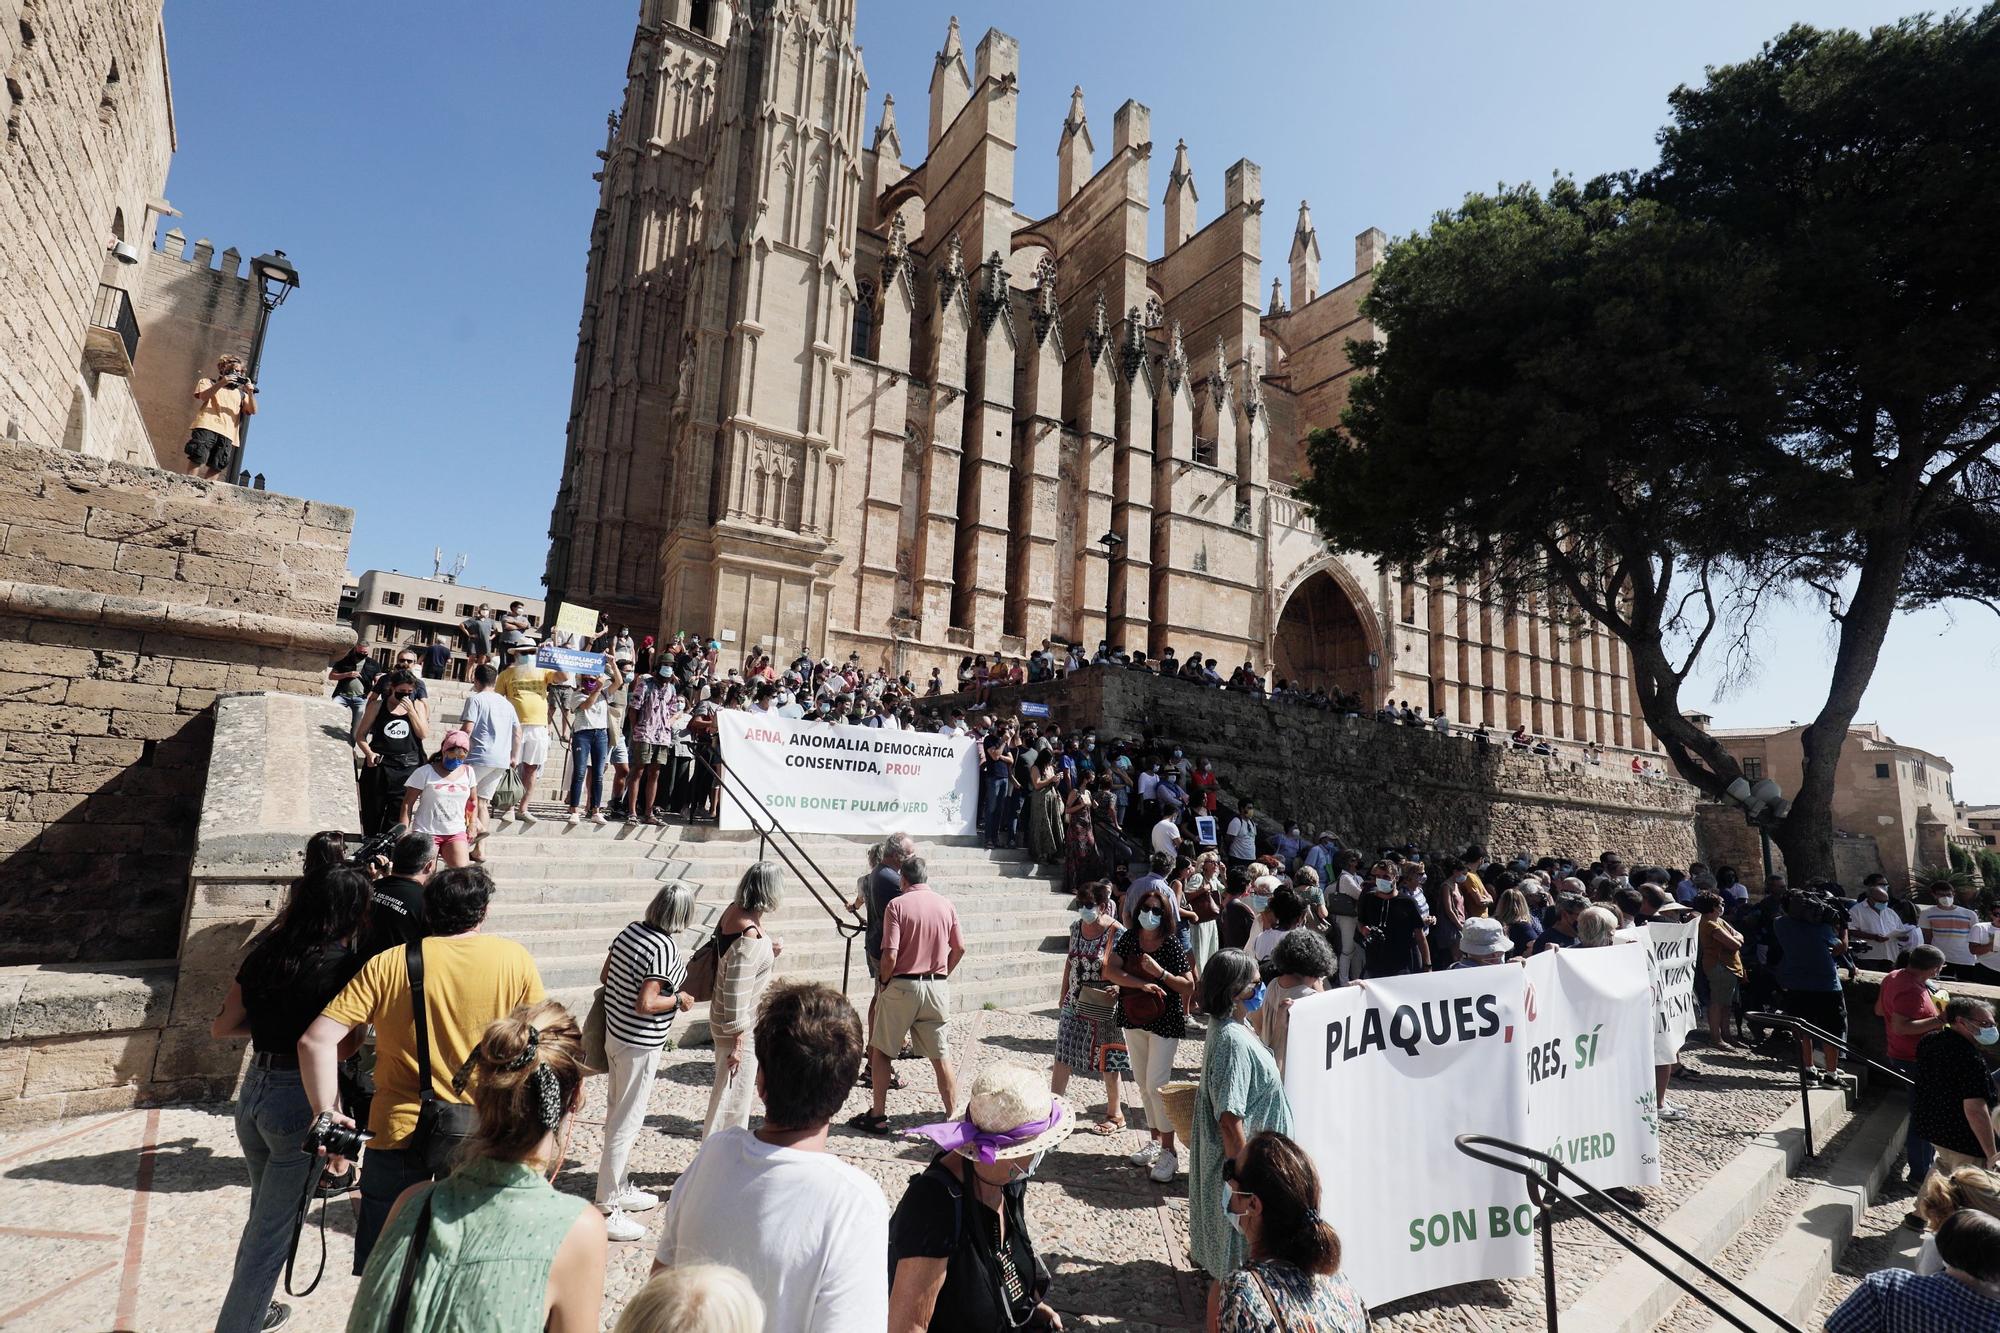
{"x": 1769, "y": 1219}
{"x": 565, "y": 892}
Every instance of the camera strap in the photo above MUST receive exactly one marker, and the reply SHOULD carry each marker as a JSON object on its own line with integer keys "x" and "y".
{"x": 413, "y": 960}
{"x": 313, "y": 1178}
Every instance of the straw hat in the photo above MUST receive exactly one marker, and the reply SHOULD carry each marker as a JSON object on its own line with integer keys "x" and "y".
{"x": 1007, "y": 1096}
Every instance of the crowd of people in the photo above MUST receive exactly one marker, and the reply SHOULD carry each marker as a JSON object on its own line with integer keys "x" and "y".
{"x": 1197, "y": 916}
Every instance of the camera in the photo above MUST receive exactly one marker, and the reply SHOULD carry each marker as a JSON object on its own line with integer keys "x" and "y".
{"x": 376, "y": 847}
{"x": 335, "y": 1140}
{"x": 1818, "y": 907}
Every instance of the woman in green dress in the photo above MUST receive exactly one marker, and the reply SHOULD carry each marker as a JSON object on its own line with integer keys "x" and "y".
{"x": 1044, "y": 814}
{"x": 1241, "y": 1096}
{"x": 496, "y": 1248}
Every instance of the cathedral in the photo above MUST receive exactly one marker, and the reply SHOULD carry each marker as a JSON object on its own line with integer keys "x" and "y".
{"x": 838, "y": 398}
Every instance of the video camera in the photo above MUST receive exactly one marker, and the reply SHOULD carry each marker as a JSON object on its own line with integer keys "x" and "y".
{"x": 376, "y": 847}
{"x": 1817, "y": 906}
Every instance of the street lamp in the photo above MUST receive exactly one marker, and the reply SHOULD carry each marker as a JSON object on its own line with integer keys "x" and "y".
{"x": 1110, "y": 541}
{"x": 1764, "y": 805}
{"x": 275, "y": 280}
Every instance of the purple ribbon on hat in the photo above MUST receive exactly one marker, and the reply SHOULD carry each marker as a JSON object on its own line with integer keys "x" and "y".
{"x": 958, "y": 1135}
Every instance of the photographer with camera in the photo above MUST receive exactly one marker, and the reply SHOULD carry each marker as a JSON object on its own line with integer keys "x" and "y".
{"x": 1810, "y": 931}
{"x": 220, "y": 406}
{"x": 429, "y": 1002}
{"x": 389, "y": 740}
{"x": 295, "y": 966}
{"x": 396, "y": 908}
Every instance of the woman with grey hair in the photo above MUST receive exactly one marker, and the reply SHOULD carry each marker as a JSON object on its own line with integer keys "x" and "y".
{"x": 642, "y": 980}
{"x": 1596, "y": 927}
{"x": 1241, "y": 1096}
{"x": 745, "y": 962}
{"x": 1300, "y": 965}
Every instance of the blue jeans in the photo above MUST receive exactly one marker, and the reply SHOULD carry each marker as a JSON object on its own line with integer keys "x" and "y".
{"x": 385, "y": 1174}
{"x": 1917, "y": 1150}
{"x": 272, "y": 1117}
{"x": 993, "y": 804}
{"x": 588, "y": 748}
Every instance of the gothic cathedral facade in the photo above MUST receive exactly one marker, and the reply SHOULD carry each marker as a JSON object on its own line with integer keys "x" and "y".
{"x": 826, "y": 400}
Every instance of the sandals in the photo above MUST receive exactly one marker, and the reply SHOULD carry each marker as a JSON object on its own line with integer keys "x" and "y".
{"x": 1109, "y": 1126}
{"x": 870, "y": 1124}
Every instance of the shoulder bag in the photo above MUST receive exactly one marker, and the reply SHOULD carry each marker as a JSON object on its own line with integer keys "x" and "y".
{"x": 703, "y": 964}
{"x": 441, "y": 1126}
{"x": 594, "y": 1058}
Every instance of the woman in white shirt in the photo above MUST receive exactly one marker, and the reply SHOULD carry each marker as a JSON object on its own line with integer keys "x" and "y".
{"x": 590, "y": 745}
{"x": 434, "y": 798}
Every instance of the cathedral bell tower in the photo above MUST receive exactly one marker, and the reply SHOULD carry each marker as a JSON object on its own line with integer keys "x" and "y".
{"x": 755, "y": 463}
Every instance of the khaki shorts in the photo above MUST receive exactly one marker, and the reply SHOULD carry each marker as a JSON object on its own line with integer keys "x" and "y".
{"x": 908, "y": 1007}
{"x": 1723, "y": 985}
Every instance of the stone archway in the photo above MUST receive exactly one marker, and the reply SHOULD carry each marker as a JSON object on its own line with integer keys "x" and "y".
{"x": 1326, "y": 639}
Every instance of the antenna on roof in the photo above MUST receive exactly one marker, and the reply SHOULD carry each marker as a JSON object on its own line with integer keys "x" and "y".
{"x": 457, "y": 566}
{"x": 437, "y": 560}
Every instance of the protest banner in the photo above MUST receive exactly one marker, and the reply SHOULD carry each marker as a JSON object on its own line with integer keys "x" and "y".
{"x": 1674, "y": 949}
{"x": 1589, "y": 1063}
{"x": 1381, "y": 1079}
{"x": 818, "y": 778}
{"x": 576, "y": 619}
{"x": 574, "y": 661}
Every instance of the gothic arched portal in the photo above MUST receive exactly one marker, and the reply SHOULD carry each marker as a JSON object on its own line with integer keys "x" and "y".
{"x": 1323, "y": 640}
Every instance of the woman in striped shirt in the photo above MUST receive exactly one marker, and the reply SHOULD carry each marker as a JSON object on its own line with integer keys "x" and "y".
{"x": 642, "y": 980}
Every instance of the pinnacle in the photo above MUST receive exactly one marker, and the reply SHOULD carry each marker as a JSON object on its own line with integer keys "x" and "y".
{"x": 952, "y": 45}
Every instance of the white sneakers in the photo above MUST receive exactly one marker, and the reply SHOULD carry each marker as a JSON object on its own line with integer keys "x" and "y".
{"x": 1149, "y": 1152}
{"x": 1670, "y": 1111}
{"x": 1165, "y": 1168}
{"x": 632, "y": 1199}
{"x": 527, "y": 817}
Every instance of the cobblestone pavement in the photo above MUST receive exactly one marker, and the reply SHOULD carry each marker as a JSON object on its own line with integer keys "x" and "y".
{"x": 129, "y": 1220}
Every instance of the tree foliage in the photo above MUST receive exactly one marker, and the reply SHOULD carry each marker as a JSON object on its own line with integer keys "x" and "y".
{"x": 1769, "y": 366}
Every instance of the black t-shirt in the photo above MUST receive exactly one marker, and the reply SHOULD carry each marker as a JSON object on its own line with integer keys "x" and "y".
{"x": 885, "y": 885}
{"x": 938, "y": 1218}
{"x": 1392, "y": 949}
{"x": 1949, "y": 1071}
{"x": 395, "y": 916}
{"x": 995, "y": 767}
{"x": 356, "y": 660}
{"x": 1237, "y": 924}
{"x": 281, "y": 1010}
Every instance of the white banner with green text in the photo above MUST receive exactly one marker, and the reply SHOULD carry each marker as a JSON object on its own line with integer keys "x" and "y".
{"x": 817, "y": 778}
{"x": 1381, "y": 1079}
{"x": 1555, "y": 1054}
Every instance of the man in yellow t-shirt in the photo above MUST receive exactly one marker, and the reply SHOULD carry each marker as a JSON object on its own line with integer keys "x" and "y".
{"x": 470, "y": 980}
{"x": 220, "y": 405}
{"x": 526, "y": 686}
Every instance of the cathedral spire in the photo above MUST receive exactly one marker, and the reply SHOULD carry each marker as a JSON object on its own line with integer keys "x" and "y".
{"x": 1075, "y": 153}
{"x": 886, "y": 139}
{"x": 951, "y": 85}
{"x": 1305, "y": 259}
{"x": 1181, "y": 199}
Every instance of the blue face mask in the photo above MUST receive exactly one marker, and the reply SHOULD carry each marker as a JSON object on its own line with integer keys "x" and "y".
{"x": 1259, "y": 901}
{"x": 1150, "y": 920}
{"x": 1986, "y": 1036}
{"x": 1255, "y": 1000}
{"x": 1087, "y": 915}
{"x": 450, "y": 765}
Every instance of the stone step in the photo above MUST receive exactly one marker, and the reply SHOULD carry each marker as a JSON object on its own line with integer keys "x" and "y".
{"x": 1027, "y": 896}
{"x": 803, "y": 953}
{"x": 1820, "y": 1219}
{"x": 1631, "y": 1296}
{"x": 604, "y": 920}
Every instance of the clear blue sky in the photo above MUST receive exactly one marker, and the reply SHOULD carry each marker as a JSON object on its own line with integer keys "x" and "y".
{"x": 428, "y": 169}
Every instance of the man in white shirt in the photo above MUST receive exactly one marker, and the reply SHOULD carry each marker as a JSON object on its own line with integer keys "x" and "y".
{"x": 1954, "y": 931}
{"x": 1167, "y": 836}
{"x": 807, "y": 1229}
{"x": 1875, "y": 931}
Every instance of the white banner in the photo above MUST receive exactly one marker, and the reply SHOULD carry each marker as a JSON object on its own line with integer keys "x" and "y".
{"x": 1589, "y": 1036}
{"x": 818, "y": 778}
{"x": 1381, "y": 1079}
{"x": 1675, "y": 951}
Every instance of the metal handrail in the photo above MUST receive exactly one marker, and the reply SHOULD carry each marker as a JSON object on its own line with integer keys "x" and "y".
{"x": 1470, "y": 1145}
{"x": 1804, "y": 1030}
{"x": 731, "y": 787}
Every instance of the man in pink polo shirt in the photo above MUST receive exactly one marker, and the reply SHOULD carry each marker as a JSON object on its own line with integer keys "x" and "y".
{"x": 921, "y": 946}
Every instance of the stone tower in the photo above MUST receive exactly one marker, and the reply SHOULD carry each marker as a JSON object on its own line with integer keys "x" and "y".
{"x": 712, "y": 358}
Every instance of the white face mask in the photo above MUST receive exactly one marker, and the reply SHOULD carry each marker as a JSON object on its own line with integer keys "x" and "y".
{"x": 1229, "y": 1198}
{"x": 1384, "y": 885}
{"x": 1946, "y": 900}
{"x": 1150, "y": 920}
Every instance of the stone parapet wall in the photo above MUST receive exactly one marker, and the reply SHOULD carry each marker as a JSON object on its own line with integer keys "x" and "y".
{"x": 128, "y": 599}
{"x": 76, "y": 1039}
{"x": 1377, "y": 784}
